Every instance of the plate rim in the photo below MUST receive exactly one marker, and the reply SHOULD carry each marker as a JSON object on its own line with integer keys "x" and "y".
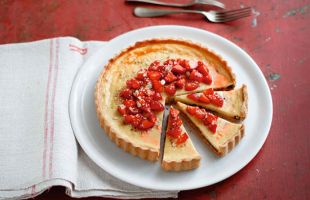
{"x": 150, "y": 28}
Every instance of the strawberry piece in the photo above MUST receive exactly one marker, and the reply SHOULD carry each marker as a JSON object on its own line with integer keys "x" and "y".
{"x": 157, "y": 96}
{"x": 146, "y": 124}
{"x": 182, "y": 139}
{"x": 129, "y": 118}
{"x": 129, "y": 102}
{"x": 191, "y": 110}
{"x": 154, "y": 75}
{"x": 207, "y": 79}
{"x": 184, "y": 63}
{"x": 174, "y": 133}
{"x": 121, "y": 109}
{"x": 210, "y": 119}
{"x": 212, "y": 127}
{"x": 191, "y": 85}
{"x": 170, "y": 62}
{"x": 133, "y": 84}
{"x": 157, "y": 86}
{"x": 170, "y": 77}
{"x": 156, "y": 106}
{"x": 126, "y": 94}
{"x": 200, "y": 113}
{"x": 141, "y": 75}
{"x": 154, "y": 66}
{"x": 202, "y": 68}
{"x": 170, "y": 89}
{"x": 178, "y": 69}
{"x": 216, "y": 100}
{"x": 132, "y": 110}
{"x": 208, "y": 91}
{"x": 180, "y": 83}
{"x": 203, "y": 98}
{"x": 150, "y": 116}
{"x": 174, "y": 113}
{"x": 137, "y": 120}
{"x": 196, "y": 76}
{"x": 194, "y": 97}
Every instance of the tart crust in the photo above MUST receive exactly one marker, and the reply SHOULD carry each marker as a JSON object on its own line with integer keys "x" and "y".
{"x": 124, "y": 65}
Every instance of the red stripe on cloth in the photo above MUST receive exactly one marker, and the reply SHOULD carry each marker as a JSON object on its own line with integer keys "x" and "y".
{"x": 50, "y": 168}
{"x": 46, "y": 109}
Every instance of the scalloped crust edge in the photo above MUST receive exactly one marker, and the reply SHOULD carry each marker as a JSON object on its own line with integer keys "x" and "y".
{"x": 223, "y": 150}
{"x": 127, "y": 146}
{"x": 181, "y": 165}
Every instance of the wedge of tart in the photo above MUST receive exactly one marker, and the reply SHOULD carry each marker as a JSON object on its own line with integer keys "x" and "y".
{"x": 134, "y": 86}
{"x": 179, "y": 151}
{"x": 231, "y": 105}
{"x": 221, "y": 135}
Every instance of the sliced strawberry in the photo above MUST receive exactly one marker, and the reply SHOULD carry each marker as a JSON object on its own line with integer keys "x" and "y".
{"x": 137, "y": 120}
{"x": 154, "y": 66}
{"x": 156, "y": 106}
{"x": 203, "y": 98}
{"x": 129, "y": 102}
{"x": 184, "y": 63}
{"x": 208, "y": 91}
{"x": 141, "y": 75}
{"x": 207, "y": 79}
{"x": 174, "y": 113}
{"x": 200, "y": 114}
{"x": 121, "y": 109}
{"x": 146, "y": 124}
{"x": 178, "y": 69}
{"x": 142, "y": 104}
{"x": 126, "y": 93}
{"x": 212, "y": 127}
{"x": 217, "y": 100}
{"x": 132, "y": 110}
{"x": 133, "y": 84}
{"x": 202, "y": 68}
{"x": 170, "y": 77}
{"x": 157, "y": 96}
{"x": 180, "y": 83}
{"x": 196, "y": 76}
{"x": 170, "y": 89}
{"x": 154, "y": 75}
{"x": 194, "y": 97}
{"x": 210, "y": 119}
{"x": 182, "y": 139}
{"x": 129, "y": 118}
{"x": 174, "y": 133}
{"x": 177, "y": 122}
{"x": 191, "y": 85}
{"x": 191, "y": 110}
{"x": 158, "y": 87}
{"x": 150, "y": 116}
{"x": 170, "y": 62}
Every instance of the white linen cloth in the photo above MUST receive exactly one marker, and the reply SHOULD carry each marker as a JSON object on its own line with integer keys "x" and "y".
{"x": 38, "y": 149}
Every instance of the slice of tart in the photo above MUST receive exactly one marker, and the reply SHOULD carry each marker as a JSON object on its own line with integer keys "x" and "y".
{"x": 134, "y": 86}
{"x": 231, "y": 105}
{"x": 179, "y": 152}
{"x": 221, "y": 135}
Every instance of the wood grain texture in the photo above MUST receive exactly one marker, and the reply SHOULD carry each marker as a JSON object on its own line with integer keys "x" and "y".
{"x": 276, "y": 36}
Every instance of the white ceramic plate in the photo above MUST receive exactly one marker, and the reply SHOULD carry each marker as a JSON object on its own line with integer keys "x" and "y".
{"x": 147, "y": 174}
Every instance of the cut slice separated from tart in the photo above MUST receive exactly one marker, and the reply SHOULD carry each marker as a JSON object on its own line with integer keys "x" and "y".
{"x": 231, "y": 105}
{"x": 179, "y": 152}
{"x": 221, "y": 135}
{"x": 134, "y": 86}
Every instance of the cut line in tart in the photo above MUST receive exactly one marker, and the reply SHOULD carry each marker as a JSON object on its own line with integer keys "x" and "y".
{"x": 179, "y": 152}
{"x": 221, "y": 135}
{"x": 231, "y": 105}
{"x": 134, "y": 86}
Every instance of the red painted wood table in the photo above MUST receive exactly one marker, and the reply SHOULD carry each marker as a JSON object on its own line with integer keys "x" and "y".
{"x": 276, "y": 36}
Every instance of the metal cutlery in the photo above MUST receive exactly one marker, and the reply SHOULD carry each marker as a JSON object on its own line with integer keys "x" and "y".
{"x": 179, "y": 5}
{"x": 213, "y": 16}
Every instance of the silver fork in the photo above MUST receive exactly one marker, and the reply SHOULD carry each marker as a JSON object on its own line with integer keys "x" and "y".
{"x": 213, "y": 16}
{"x": 191, "y": 3}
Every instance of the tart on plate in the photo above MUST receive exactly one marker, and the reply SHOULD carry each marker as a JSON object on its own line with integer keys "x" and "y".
{"x": 231, "y": 105}
{"x": 221, "y": 135}
{"x": 132, "y": 89}
{"x": 179, "y": 152}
